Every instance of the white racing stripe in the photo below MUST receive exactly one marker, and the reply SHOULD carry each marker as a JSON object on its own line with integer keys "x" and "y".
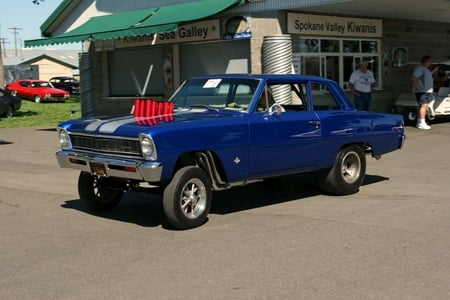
{"x": 111, "y": 126}
{"x": 94, "y": 125}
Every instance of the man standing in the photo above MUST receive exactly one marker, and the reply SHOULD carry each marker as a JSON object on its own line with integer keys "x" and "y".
{"x": 423, "y": 83}
{"x": 362, "y": 83}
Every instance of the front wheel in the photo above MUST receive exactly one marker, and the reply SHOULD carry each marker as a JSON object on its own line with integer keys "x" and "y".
{"x": 37, "y": 99}
{"x": 347, "y": 174}
{"x": 187, "y": 199}
{"x": 98, "y": 193}
{"x": 9, "y": 111}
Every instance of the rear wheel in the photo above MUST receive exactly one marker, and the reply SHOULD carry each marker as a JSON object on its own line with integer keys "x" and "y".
{"x": 98, "y": 193}
{"x": 187, "y": 199}
{"x": 347, "y": 174}
{"x": 37, "y": 99}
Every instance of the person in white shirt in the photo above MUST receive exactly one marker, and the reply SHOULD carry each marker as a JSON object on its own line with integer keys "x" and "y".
{"x": 361, "y": 84}
{"x": 423, "y": 83}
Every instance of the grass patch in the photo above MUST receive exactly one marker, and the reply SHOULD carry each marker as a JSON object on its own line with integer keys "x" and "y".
{"x": 33, "y": 114}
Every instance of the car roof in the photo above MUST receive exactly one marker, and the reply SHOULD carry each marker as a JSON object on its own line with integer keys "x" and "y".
{"x": 266, "y": 77}
{"x": 62, "y": 77}
{"x": 32, "y": 80}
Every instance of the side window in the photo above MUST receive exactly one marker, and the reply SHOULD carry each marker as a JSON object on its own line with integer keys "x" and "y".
{"x": 24, "y": 83}
{"x": 266, "y": 99}
{"x": 291, "y": 96}
{"x": 299, "y": 95}
{"x": 323, "y": 98}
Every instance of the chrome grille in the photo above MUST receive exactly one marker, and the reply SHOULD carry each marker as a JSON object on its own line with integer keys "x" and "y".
{"x": 107, "y": 145}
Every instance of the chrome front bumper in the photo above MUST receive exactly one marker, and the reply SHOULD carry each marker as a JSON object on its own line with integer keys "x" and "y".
{"x": 128, "y": 168}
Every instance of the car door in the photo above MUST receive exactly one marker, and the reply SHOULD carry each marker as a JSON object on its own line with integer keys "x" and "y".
{"x": 338, "y": 121}
{"x": 24, "y": 89}
{"x": 285, "y": 142}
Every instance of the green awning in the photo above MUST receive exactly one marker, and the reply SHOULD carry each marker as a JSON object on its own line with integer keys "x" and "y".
{"x": 138, "y": 22}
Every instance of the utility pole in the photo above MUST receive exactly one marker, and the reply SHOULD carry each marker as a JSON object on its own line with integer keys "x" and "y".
{"x": 2, "y": 76}
{"x": 3, "y": 45}
{"x": 15, "y": 31}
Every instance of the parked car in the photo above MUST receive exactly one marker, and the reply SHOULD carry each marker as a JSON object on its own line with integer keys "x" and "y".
{"x": 406, "y": 103}
{"x": 67, "y": 83}
{"x": 9, "y": 104}
{"x": 36, "y": 90}
{"x": 221, "y": 131}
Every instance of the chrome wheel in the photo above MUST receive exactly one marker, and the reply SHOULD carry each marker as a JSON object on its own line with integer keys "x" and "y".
{"x": 188, "y": 197}
{"x": 347, "y": 173}
{"x": 351, "y": 167}
{"x": 193, "y": 198}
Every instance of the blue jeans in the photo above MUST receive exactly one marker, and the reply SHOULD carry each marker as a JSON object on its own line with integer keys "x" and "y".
{"x": 362, "y": 102}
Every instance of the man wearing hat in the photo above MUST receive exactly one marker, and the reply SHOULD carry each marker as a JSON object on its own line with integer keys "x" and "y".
{"x": 361, "y": 83}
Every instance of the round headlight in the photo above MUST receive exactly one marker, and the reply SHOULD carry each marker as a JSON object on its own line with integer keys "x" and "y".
{"x": 148, "y": 148}
{"x": 64, "y": 140}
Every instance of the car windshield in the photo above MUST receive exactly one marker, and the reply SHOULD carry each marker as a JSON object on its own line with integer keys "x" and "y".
{"x": 217, "y": 93}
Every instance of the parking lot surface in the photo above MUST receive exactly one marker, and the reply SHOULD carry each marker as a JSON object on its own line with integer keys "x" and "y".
{"x": 280, "y": 241}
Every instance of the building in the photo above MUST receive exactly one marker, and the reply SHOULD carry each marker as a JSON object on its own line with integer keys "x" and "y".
{"x": 39, "y": 64}
{"x": 147, "y": 48}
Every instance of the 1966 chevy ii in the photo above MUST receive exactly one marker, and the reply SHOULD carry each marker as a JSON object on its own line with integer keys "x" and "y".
{"x": 220, "y": 131}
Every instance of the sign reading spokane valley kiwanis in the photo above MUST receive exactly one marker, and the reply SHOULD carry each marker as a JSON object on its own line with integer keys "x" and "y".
{"x": 335, "y": 26}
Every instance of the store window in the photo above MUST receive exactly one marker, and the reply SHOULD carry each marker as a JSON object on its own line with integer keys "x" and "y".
{"x": 136, "y": 72}
{"x": 334, "y": 58}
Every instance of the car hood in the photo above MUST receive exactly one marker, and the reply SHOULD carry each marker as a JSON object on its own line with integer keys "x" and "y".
{"x": 131, "y": 126}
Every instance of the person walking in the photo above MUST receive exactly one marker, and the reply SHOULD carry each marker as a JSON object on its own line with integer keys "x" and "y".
{"x": 361, "y": 84}
{"x": 422, "y": 79}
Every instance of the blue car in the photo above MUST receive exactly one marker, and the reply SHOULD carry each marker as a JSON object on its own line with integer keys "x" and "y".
{"x": 221, "y": 131}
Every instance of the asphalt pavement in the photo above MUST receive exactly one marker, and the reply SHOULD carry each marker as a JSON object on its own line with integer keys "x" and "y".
{"x": 390, "y": 240}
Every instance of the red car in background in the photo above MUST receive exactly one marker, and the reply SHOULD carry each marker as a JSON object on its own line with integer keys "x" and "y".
{"x": 36, "y": 90}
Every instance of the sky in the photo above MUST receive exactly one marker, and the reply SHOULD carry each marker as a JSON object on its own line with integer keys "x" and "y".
{"x": 27, "y": 16}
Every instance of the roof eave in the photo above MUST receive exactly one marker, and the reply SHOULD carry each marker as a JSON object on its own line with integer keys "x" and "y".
{"x": 57, "y": 16}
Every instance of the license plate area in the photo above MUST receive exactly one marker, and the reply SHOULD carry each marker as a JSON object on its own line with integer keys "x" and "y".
{"x": 98, "y": 169}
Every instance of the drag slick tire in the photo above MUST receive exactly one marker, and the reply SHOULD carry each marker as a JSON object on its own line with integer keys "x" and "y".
{"x": 97, "y": 193}
{"x": 187, "y": 199}
{"x": 347, "y": 174}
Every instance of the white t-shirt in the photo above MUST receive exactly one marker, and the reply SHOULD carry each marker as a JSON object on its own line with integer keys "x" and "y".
{"x": 362, "y": 81}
